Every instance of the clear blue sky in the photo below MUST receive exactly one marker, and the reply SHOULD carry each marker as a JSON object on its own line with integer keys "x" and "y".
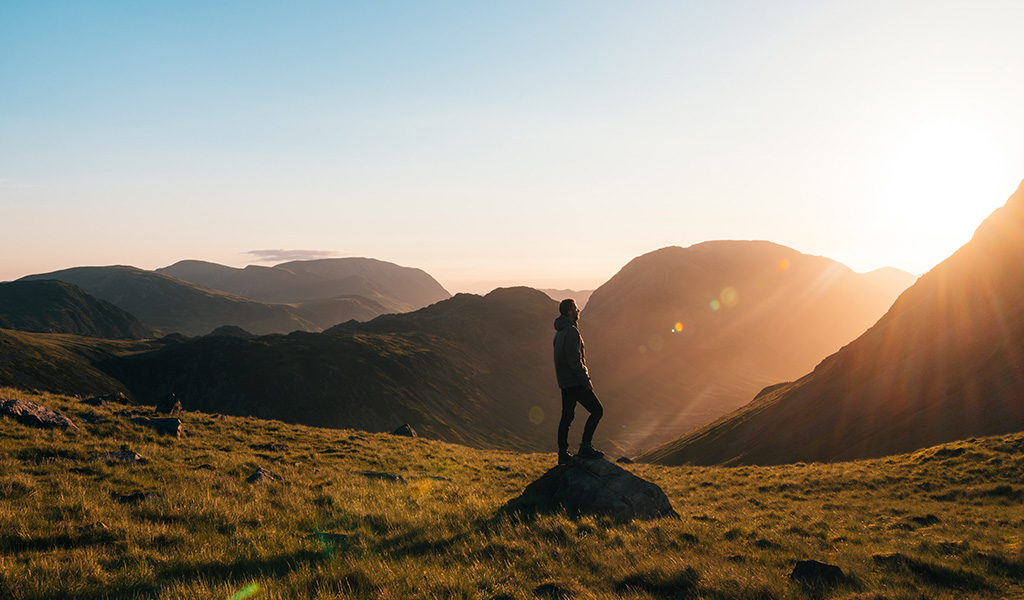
{"x": 503, "y": 143}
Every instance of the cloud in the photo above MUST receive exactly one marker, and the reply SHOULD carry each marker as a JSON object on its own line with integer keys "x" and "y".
{"x": 281, "y": 255}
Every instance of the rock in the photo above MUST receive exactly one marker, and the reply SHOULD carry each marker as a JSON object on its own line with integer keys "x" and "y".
{"x": 135, "y": 498}
{"x": 817, "y": 574}
{"x": 166, "y": 426}
{"x": 405, "y": 430}
{"x": 121, "y": 456}
{"x": 272, "y": 447}
{"x": 395, "y": 477}
{"x": 594, "y": 487}
{"x": 169, "y": 405}
{"x": 625, "y": 460}
{"x": 91, "y": 418}
{"x": 262, "y": 474}
{"x": 104, "y": 399}
{"x": 35, "y": 415}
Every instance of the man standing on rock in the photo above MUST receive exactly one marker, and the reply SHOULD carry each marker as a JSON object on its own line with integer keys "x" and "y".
{"x": 574, "y": 380}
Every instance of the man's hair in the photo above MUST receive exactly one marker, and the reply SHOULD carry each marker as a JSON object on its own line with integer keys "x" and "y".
{"x": 565, "y": 305}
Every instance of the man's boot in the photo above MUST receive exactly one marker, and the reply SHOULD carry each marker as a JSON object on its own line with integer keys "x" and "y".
{"x": 564, "y": 457}
{"x": 588, "y": 451}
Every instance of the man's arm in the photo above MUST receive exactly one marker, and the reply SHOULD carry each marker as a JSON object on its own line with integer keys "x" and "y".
{"x": 573, "y": 345}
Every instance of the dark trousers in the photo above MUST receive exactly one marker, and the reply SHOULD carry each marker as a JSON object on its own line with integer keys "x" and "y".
{"x": 570, "y": 397}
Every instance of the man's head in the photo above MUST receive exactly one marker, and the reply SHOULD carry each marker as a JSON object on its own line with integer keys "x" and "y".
{"x": 568, "y": 308}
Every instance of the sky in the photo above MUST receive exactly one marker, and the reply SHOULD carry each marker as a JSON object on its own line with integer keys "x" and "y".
{"x": 542, "y": 143}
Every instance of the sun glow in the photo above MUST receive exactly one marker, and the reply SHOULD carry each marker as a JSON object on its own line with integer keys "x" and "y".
{"x": 942, "y": 176}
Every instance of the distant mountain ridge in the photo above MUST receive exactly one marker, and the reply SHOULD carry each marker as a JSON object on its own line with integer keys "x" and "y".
{"x": 396, "y": 288}
{"x": 59, "y": 307}
{"x": 681, "y": 336}
{"x": 175, "y": 305}
{"x": 470, "y": 369}
{"x": 946, "y": 362}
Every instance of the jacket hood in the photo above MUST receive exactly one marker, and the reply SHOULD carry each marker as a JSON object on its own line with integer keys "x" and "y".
{"x": 563, "y": 322}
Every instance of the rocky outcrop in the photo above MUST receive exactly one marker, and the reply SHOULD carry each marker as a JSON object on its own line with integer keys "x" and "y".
{"x": 166, "y": 426}
{"x": 595, "y": 487}
{"x": 405, "y": 430}
{"x": 170, "y": 405}
{"x": 34, "y": 415}
{"x": 262, "y": 474}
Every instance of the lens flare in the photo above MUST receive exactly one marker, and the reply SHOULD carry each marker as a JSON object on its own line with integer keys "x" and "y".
{"x": 245, "y": 592}
{"x": 715, "y": 305}
{"x": 783, "y": 265}
{"x": 642, "y": 349}
{"x": 656, "y": 342}
{"x": 730, "y": 297}
{"x": 536, "y": 415}
{"x": 678, "y": 327}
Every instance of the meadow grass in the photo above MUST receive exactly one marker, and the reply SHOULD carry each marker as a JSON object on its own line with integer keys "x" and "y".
{"x": 944, "y": 522}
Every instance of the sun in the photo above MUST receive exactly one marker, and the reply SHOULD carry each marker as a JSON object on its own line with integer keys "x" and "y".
{"x": 941, "y": 175}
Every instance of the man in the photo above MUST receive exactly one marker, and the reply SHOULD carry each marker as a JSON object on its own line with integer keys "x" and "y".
{"x": 574, "y": 380}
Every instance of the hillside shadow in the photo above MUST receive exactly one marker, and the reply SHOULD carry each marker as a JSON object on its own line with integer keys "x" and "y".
{"x": 208, "y": 573}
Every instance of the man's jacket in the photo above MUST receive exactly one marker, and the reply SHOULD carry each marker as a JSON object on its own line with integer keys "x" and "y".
{"x": 570, "y": 357}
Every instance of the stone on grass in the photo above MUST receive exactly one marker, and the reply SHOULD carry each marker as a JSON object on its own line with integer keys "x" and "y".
{"x": 135, "y": 497}
{"x": 166, "y": 425}
{"x": 170, "y": 405}
{"x": 594, "y": 487}
{"x": 405, "y": 430}
{"x": 35, "y": 415}
{"x": 121, "y": 456}
{"x": 381, "y": 475}
{"x": 817, "y": 574}
{"x": 104, "y": 399}
{"x": 262, "y": 474}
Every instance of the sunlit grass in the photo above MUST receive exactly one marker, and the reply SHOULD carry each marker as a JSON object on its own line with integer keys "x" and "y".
{"x": 940, "y": 523}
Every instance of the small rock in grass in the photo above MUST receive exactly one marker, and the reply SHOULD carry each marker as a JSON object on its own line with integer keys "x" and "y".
{"x": 817, "y": 574}
{"x": 135, "y": 497}
{"x": 405, "y": 430}
{"x": 381, "y": 476}
{"x": 121, "y": 456}
{"x": 35, "y": 415}
{"x": 262, "y": 474}
{"x": 170, "y": 405}
{"x": 166, "y": 426}
{"x": 625, "y": 460}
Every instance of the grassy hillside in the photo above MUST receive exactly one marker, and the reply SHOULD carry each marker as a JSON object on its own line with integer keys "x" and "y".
{"x": 62, "y": 363}
{"x": 58, "y": 307}
{"x": 941, "y": 523}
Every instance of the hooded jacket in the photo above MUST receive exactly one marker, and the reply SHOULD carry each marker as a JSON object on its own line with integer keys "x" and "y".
{"x": 570, "y": 356}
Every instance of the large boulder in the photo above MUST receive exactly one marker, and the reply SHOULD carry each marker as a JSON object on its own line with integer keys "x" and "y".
{"x": 34, "y": 415}
{"x": 595, "y": 487}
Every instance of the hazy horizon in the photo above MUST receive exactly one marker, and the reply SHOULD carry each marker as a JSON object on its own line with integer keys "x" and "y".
{"x": 541, "y": 144}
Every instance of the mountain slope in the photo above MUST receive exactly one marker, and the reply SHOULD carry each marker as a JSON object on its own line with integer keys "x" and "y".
{"x": 945, "y": 363}
{"x": 58, "y": 307}
{"x": 172, "y": 305}
{"x": 748, "y": 314}
{"x": 470, "y": 369}
{"x": 397, "y": 288}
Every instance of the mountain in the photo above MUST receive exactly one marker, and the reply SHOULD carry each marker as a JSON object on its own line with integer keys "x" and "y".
{"x": 470, "y": 369}
{"x": 946, "y": 362}
{"x": 681, "y": 336}
{"x": 58, "y": 307}
{"x": 172, "y": 305}
{"x": 581, "y": 296}
{"x": 395, "y": 288}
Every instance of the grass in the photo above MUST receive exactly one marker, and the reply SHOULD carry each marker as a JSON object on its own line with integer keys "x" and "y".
{"x": 944, "y": 522}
